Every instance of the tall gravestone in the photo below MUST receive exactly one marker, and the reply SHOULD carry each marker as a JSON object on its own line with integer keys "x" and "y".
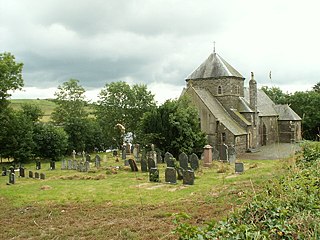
{"x": 64, "y": 164}
{"x": 97, "y": 161}
{"x": 12, "y": 178}
{"x": 224, "y": 152}
{"x": 52, "y": 165}
{"x": 152, "y": 154}
{"x": 207, "y": 156}
{"x": 123, "y": 153}
{"x": 151, "y": 163}
{"x": 215, "y": 154}
{"x": 30, "y": 174}
{"x": 21, "y": 172}
{"x": 144, "y": 165}
{"x": 170, "y": 175}
{"x": 183, "y": 161}
{"x": 133, "y": 165}
{"x": 232, "y": 155}
{"x": 136, "y": 151}
{"x": 38, "y": 165}
{"x": 154, "y": 175}
{"x": 74, "y": 154}
{"x": 194, "y": 161}
{"x": 188, "y": 177}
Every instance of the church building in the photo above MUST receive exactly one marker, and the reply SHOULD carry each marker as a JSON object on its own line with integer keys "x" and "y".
{"x": 235, "y": 115}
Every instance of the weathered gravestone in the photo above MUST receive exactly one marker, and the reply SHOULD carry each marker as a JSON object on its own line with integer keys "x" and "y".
{"x": 133, "y": 165}
{"x": 128, "y": 148}
{"x": 126, "y": 162}
{"x": 171, "y": 162}
{"x": 144, "y": 165}
{"x": 170, "y": 175}
{"x": 88, "y": 158}
{"x": 74, "y": 153}
{"x": 30, "y": 174}
{"x": 4, "y": 171}
{"x": 11, "y": 169}
{"x": 194, "y": 161}
{"x": 115, "y": 153}
{"x": 207, "y": 156}
{"x": 12, "y": 178}
{"x": 21, "y": 172}
{"x": 97, "y": 161}
{"x": 215, "y": 154}
{"x": 64, "y": 165}
{"x": 75, "y": 165}
{"x": 136, "y": 151}
{"x": 123, "y": 153}
{"x": 151, "y": 163}
{"x": 154, "y": 175}
{"x": 239, "y": 168}
{"x": 52, "y": 165}
{"x": 70, "y": 164}
{"x": 87, "y": 166}
{"x": 81, "y": 167}
{"x": 38, "y": 165}
{"x": 180, "y": 173}
{"x": 188, "y": 177}
{"x": 167, "y": 156}
{"x": 232, "y": 155}
{"x": 183, "y": 160}
{"x": 42, "y": 176}
{"x": 159, "y": 158}
{"x": 36, "y": 175}
{"x": 224, "y": 152}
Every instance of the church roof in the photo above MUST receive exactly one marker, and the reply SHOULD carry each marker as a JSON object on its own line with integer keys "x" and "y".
{"x": 214, "y": 67}
{"x": 286, "y": 113}
{"x": 219, "y": 112}
{"x": 265, "y": 106}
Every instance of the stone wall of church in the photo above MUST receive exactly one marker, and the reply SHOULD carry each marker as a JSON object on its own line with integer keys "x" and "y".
{"x": 268, "y": 130}
{"x": 289, "y": 131}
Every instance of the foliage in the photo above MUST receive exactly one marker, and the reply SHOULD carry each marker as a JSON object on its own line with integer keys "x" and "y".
{"x": 174, "y": 127}
{"x": 10, "y": 76}
{"x": 276, "y": 94}
{"x": 287, "y": 209}
{"x": 33, "y": 112}
{"x": 51, "y": 141}
{"x": 316, "y": 87}
{"x": 121, "y": 104}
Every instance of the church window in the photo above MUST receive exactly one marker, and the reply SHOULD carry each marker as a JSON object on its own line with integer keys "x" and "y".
{"x": 223, "y": 136}
{"x": 219, "y": 90}
{"x": 237, "y": 90}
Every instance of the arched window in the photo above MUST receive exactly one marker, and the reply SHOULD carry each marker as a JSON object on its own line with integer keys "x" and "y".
{"x": 219, "y": 90}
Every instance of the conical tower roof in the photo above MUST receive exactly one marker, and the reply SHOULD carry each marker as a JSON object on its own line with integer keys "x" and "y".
{"x": 214, "y": 67}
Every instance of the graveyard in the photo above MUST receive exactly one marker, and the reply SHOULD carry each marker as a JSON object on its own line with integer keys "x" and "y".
{"x": 105, "y": 196}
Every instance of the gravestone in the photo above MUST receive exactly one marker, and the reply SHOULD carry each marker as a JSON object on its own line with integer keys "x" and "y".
{"x": 180, "y": 173}
{"x": 188, "y": 177}
{"x": 11, "y": 169}
{"x": 42, "y": 176}
{"x": 21, "y": 172}
{"x": 170, "y": 175}
{"x": 52, "y": 165}
{"x": 87, "y": 166}
{"x": 207, "y": 156}
{"x": 4, "y": 171}
{"x": 144, "y": 165}
{"x": 12, "y": 178}
{"x": 74, "y": 153}
{"x": 123, "y": 153}
{"x": 70, "y": 165}
{"x": 167, "y": 156}
{"x": 115, "y": 153}
{"x": 215, "y": 154}
{"x": 81, "y": 167}
{"x": 36, "y": 175}
{"x": 183, "y": 160}
{"x": 136, "y": 151}
{"x": 133, "y": 165}
{"x": 239, "y": 168}
{"x": 83, "y": 155}
{"x": 128, "y": 148}
{"x": 159, "y": 158}
{"x": 64, "y": 165}
{"x": 143, "y": 154}
{"x": 151, "y": 163}
{"x": 126, "y": 162}
{"x": 97, "y": 161}
{"x": 30, "y": 174}
{"x": 224, "y": 152}
{"x": 194, "y": 161}
{"x": 154, "y": 175}
{"x": 171, "y": 162}
{"x": 88, "y": 158}
{"x": 38, "y": 165}
{"x": 232, "y": 155}
{"x": 75, "y": 165}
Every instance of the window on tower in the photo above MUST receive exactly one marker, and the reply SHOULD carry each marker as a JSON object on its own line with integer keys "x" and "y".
{"x": 219, "y": 90}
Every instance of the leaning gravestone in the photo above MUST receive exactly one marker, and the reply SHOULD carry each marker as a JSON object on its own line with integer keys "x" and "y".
{"x": 154, "y": 175}
{"x": 36, "y": 175}
{"x": 42, "y": 176}
{"x": 12, "y": 178}
{"x": 133, "y": 165}
{"x": 232, "y": 155}
{"x": 239, "y": 168}
{"x": 30, "y": 174}
{"x": 188, "y": 177}
{"x": 224, "y": 152}
{"x": 21, "y": 172}
{"x": 183, "y": 160}
{"x": 151, "y": 163}
{"x": 194, "y": 161}
{"x": 180, "y": 173}
{"x": 215, "y": 154}
{"x": 144, "y": 165}
{"x": 170, "y": 175}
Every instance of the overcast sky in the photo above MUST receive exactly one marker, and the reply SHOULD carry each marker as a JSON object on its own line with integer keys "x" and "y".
{"x": 159, "y": 42}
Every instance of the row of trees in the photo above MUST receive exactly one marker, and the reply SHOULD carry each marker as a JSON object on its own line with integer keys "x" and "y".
{"x": 305, "y": 104}
{"x": 82, "y": 126}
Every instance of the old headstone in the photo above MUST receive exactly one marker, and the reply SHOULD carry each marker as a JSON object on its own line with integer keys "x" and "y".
{"x": 115, "y": 153}
{"x": 21, "y": 172}
{"x": 151, "y": 163}
{"x": 75, "y": 164}
{"x": 133, "y": 165}
{"x": 88, "y": 158}
{"x": 128, "y": 148}
{"x": 4, "y": 171}
{"x": 159, "y": 158}
{"x": 167, "y": 156}
{"x": 183, "y": 160}
{"x": 152, "y": 155}
{"x": 154, "y": 175}
{"x": 123, "y": 153}
{"x": 194, "y": 161}
{"x": 224, "y": 152}
{"x": 143, "y": 154}
{"x": 188, "y": 177}
{"x": 239, "y": 168}
{"x": 180, "y": 173}
{"x": 52, "y": 165}
{"x": 97, "y": 161}
{"x": 30, "y": 174}
{"x": 12, "y": 178}
{"x": 38, "y": 165}
{"x": 83, "y": 155}
{"x": 11, "y": 169}
{"x": 136, "y": 151}
{"x": 170, "y": 175}
{"x": 87, "y": 166}
{"x": 70, "y": 164}
{"x": 170, "y": 162}
{"x": 232, "y": 155}
{"x": 81, "y": 167}
{"x": 207, "y": 156}
{"x": 64, "y": 164}
{"x": 144, "y": 165}
{"x": 74, "y": 153}
{"x": 42, "y": 176}
{"x": 215, "y": 154}
{"x": 36, "y": 175}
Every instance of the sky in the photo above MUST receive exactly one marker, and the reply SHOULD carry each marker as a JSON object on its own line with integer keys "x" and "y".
{"x": 159, "y": 42}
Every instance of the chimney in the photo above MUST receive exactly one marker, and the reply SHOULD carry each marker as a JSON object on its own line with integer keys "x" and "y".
{"x": 253, "y": 93}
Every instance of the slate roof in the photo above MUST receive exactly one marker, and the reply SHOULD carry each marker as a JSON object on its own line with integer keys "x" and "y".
{"x": 219, "y": 112}
{"x": 214, "y": 67}
{"x": 265, "y": 106}
{"x": 243, "y": 106}
{"x": 286, "y": 113}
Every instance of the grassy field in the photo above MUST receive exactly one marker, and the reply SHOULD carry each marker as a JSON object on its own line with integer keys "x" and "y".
{"x": 107, "y": 203}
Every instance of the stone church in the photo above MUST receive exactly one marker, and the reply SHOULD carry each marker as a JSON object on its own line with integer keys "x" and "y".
{"x": 235, "y": 115}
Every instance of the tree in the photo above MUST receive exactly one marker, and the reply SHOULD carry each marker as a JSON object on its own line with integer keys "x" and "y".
{"x": 121, "y": 104}
{"x": 10, "y": 77}
{"x": 33, "y": 112}
{"x": 316, "y": 87}
{"x": 276, "y": 95}
{"x": 174, "y": 127}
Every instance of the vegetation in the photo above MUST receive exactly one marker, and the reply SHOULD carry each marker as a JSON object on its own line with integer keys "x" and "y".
{"x": 287, "y": 209}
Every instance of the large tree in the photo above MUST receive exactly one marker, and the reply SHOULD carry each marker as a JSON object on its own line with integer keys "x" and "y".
{"x": 276, "y": 95}
{"x": 122, "y": 105}
{"x": 10, "y": 77}
{"x": 174, "y": 127}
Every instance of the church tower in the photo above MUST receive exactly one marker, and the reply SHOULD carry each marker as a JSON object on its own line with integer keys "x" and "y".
{"x": 253, "y": 93}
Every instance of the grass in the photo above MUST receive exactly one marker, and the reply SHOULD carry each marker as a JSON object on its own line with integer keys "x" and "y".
{"x": 125, "y": 205}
